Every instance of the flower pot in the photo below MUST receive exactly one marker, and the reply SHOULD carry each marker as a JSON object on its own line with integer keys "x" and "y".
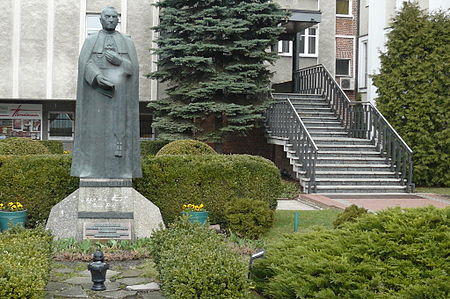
{"x": 196, "y": 217}
{"x": 12, "y": 218}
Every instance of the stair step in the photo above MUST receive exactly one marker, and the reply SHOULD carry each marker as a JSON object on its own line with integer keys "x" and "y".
{"x": 356, "y": 181}
{"x": 352, "y": 167}
{"x": 348, "y": 153}
{"x": 355, "y": 174}
{"x": 325, "y": 129}
{"x": 360, "y": 189}
{"x": 350, "y": 160}
{"x": 342, "y": 141}
{"x": 323, "y": 124}
{"x": 346, "y": 147}
{"x": 328, "y": 134}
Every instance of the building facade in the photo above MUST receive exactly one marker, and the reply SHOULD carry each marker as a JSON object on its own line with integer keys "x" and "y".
{"x": 40, "y": 42}
{"x": 374, "y": 24}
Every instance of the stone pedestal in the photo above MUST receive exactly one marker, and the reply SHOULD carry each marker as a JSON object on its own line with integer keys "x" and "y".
{"x": 104, "y": 209}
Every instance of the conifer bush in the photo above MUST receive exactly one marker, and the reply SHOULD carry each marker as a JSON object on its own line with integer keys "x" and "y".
{"x": 54, "y": 146}
{"x": 350, "y": 214}
{"x": 248, "y": 218}
{"x": 24, "y": 263}
{"x": 151, "y": 147}
{"x": 194, "y": 262}
{"x": 414, "y": 89}
{"x": 393, "y": 254}
{"x": 186, "y": 147}
{"x": 21, "y": 146}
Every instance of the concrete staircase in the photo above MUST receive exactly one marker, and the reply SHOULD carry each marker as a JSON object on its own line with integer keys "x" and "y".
{"x": 344, "y": 164}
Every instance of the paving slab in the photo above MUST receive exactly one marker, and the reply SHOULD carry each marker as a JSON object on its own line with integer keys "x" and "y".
{"x": 71, "y": 292}
{"x": 288, "y": 204}
{"x": 121, "y": 294}
{"x": 109, "y": 273}
{"x": 132, "y": 273}
{"x": 134, "y": 280}
{"x": 152, "y": 286}
{"x": 377, "y": 202}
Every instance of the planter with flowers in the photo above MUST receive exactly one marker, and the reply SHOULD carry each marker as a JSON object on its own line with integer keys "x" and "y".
{"x": 12, "y": 213}
{"x": 196, "y": 213}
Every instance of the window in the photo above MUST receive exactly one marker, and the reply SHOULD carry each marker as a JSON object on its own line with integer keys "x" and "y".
{"x": 342, "y": 67}
{"x": 60, "y": 125}
{"x": 145, "y": 125}
{"x": 93, "y": 23}
{"x": 285, "y": 47}
{"x": 363, "y": 65}
{"x": 343, "y": 7}
{"x": 308, "y": 44}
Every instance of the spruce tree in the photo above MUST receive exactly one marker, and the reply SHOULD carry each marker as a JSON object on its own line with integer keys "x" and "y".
{"x": 414, "y": 89}
{"x": 214, "y": 56}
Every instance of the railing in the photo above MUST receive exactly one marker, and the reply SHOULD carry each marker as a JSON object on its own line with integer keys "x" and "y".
{"x": 360, "y": 119}
{"x": 283, "y": 120}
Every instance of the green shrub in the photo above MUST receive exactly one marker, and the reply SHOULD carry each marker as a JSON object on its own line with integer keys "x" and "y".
{"x": 248, "y": 218}
{"x": 38, "y": 182}
{"x": 186, "y": 147}
{"x": 21, "y": 146}
{"x": 173, "y": 180}
{"x": 24, "y": 263}
{"x": 151, "y": 147}
{"x": 394, "y": 254}
{"x": 195, "y": 262}
{"x": 350, "y": 214}
{"x": 54, "y": 146}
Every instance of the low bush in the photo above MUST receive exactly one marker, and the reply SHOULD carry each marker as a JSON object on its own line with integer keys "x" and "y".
{"x": 25, "y": 263}
{"x": 151, "y": 147}
{"x": 248, "y": 218}
{"x": 350, "y": 214}
{"x": 54, "y": 146}
{"x": 394, "y": 254}
{"x": 195, "y": 262}
{"x": 173, "y": 180}
{"x": 21, "y": 146}
{"x": 186, "y": 147}
{"x": 38, "y": 182}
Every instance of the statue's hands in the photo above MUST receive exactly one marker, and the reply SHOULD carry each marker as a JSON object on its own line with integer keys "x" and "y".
{"x": 113, "y": 57}
{"x": 104, "y": 83}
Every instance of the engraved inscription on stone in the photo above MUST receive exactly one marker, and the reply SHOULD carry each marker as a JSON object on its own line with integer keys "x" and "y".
{"x": 107, "y": 231}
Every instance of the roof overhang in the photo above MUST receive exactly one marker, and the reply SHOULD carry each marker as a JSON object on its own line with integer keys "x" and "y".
{"x": 299, "y": 20}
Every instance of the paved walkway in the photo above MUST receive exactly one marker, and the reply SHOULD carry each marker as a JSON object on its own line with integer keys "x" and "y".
{"x": 127, "y": 279}
{"x": 297, "y": 205}
{"x": 377, "y": 202}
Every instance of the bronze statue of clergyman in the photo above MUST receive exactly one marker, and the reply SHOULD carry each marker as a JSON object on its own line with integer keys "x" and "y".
{"x": 107, "y": 114}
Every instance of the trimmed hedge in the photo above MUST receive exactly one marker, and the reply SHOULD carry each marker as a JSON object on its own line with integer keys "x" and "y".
{"x": 24, "y": 263}
{"x": 21, "y": 146}
{"x": 248, "y": 218}
{"x": 41, "y": 181}
{"x": 186, "y": 147}
{"x": 151, "y": 147}
{"x": 394, "y": 254}
{"x": 194, "y": 262}
{"x": 38, "y": 182}
{"x": 54, "y": 146}
{"x": 174, "y": 180}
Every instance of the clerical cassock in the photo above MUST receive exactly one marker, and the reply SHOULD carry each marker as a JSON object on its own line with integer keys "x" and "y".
{"x": 106, "y": 141}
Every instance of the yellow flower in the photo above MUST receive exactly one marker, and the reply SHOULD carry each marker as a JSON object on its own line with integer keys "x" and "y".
{"x": 201, "y": 206}
{"x": 10, "y": 204}
{"x": 13, "y": 208}
{"x": 19, "y": 205}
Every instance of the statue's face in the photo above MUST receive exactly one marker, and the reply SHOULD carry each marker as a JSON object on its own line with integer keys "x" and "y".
{"x": 109, "y": 19}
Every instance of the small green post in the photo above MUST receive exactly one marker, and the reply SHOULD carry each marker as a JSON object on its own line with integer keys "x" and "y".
{"x": 296, "y": 220}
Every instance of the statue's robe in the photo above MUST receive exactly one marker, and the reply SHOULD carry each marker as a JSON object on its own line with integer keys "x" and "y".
{"x": 106, "y": 141}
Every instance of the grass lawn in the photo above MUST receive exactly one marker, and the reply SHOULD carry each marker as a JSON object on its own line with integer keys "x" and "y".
{"x": 284, "y": 222}
{"x": 444, "y": 191}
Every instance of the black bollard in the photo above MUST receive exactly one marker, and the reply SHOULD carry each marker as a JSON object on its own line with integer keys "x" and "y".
{"x": 98, "y": 271}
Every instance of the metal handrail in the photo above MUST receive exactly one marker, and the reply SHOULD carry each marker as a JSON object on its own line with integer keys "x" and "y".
{"x": 283, "y": 121}
{"x": 360, "y": 119}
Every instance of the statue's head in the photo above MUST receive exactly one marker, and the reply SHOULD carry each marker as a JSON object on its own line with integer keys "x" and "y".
{"x": 109, "y": 18}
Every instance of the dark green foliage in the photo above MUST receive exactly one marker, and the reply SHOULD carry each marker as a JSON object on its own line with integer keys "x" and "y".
{"x": 186, "y": 147}
{"x": 21, "y": 146}
{"x": 248, "y": 218}
{"x": 24, "y": 263}
{"x": 171, "y": 181}
{"x": 54, "y": 146}
{"x": 213, "y": 54}
{"x": 394, "y": 254}
{"x": 414, "y": 89}
{"x": 38, "y": 182}
{"x": 350, "y": 214}
{"x": 151, "y": 147}
{"x": 194, "y": 262}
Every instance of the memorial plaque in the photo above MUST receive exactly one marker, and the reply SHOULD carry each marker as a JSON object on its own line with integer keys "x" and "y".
{"x": 107, "y": 231}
